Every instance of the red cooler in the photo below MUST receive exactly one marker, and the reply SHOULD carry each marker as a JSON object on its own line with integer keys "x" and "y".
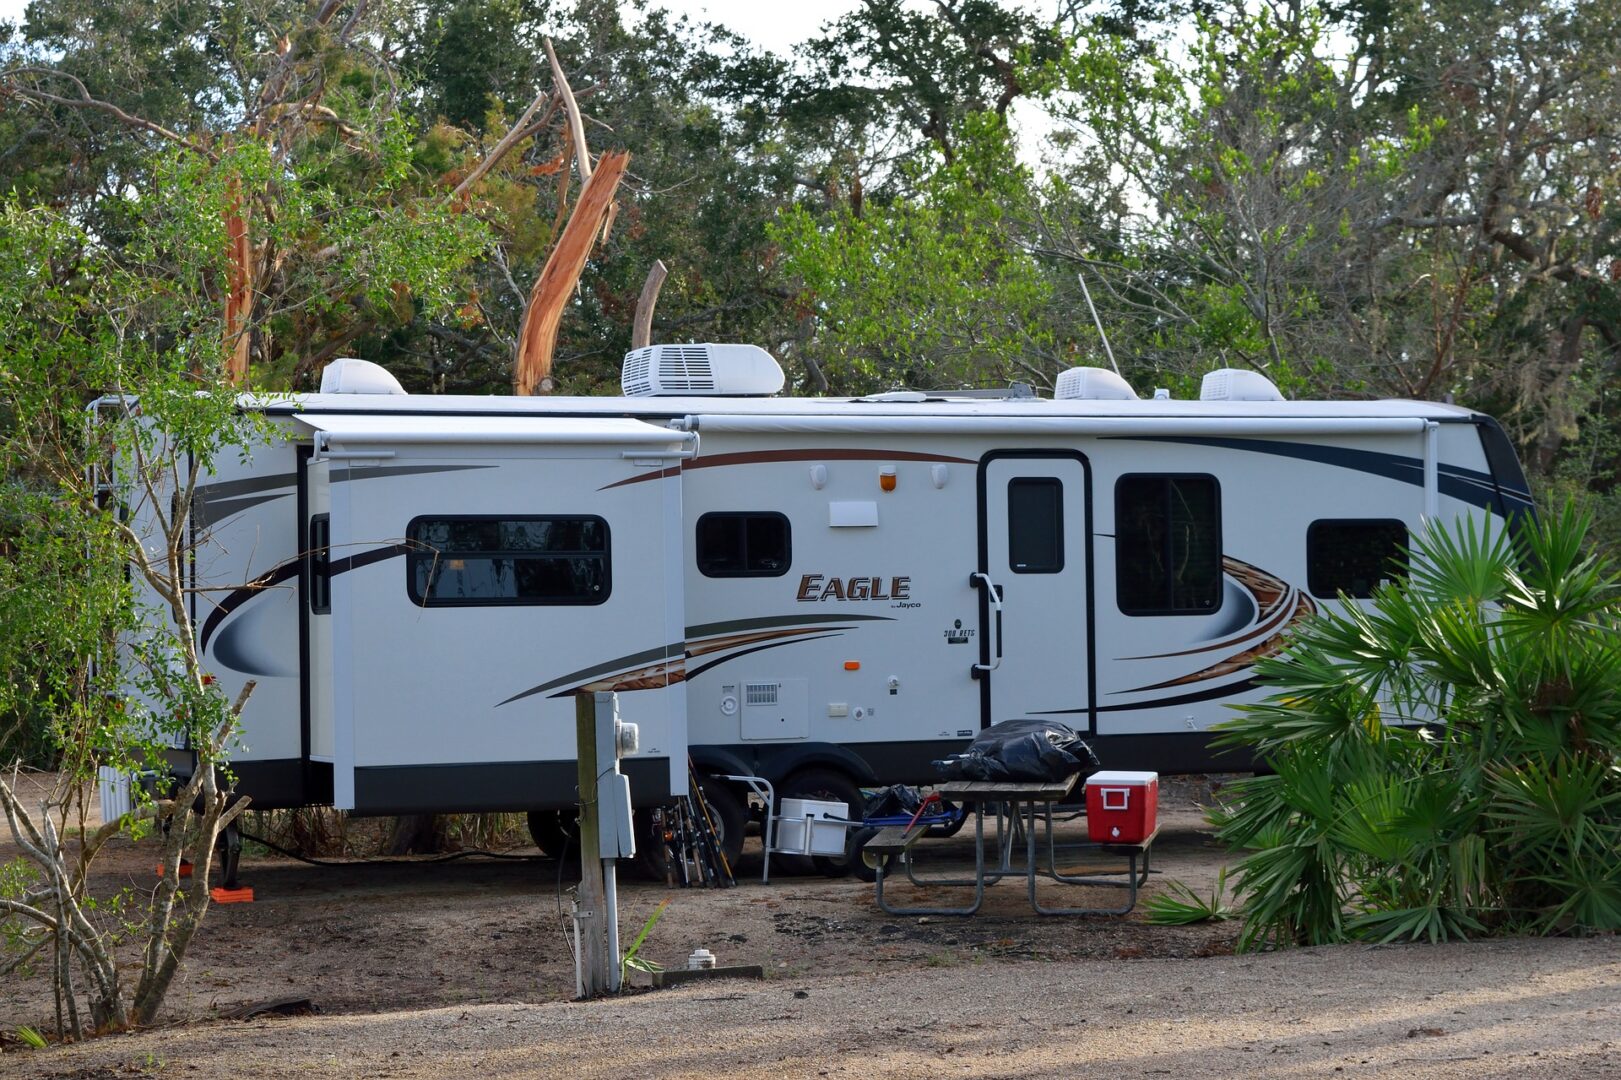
{"x": 1122, "y": 807}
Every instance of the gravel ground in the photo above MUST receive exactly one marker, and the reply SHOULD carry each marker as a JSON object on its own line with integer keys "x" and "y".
{"x": 1510, "y": 1008}
{"x": 423, "y": 969}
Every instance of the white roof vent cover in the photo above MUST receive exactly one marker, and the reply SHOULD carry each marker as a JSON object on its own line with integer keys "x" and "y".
{"x": 1092, "y": 384}
{"x": 346, "y": 375}
{"x": 709, "y": 370}
{"x": 1237, "y": 384}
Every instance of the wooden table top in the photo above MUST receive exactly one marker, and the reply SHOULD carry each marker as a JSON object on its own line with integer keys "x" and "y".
{"x": 1010, "y": 790}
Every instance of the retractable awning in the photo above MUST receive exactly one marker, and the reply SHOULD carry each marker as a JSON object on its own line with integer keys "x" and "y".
{"x": 356, "y": 431}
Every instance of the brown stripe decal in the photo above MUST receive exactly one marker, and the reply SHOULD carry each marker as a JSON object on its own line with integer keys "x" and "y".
{"x": 760, "y": 457}
{"x": 1269, "y": 593}
{"x": 1238, "y": 661}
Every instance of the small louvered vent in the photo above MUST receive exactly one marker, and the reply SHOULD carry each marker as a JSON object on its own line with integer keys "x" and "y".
{"x": 685, "y": 368}
{"x": 700, "y": 371}
{"x": 760, "y": 693}
{"x": 635, "y": 377}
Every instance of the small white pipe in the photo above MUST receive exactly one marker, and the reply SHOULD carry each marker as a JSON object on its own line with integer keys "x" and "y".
{"x": 1432, "y": 459}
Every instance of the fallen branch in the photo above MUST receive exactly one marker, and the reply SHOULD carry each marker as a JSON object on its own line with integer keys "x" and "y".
{"x": 576, "y": 122}
{"x": 508, "y": 141}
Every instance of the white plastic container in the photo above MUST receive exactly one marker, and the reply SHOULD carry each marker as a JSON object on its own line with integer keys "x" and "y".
{"x": 826, "y": 838}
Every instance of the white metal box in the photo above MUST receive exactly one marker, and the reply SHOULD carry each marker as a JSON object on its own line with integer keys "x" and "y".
{"x": 826, "y": 838}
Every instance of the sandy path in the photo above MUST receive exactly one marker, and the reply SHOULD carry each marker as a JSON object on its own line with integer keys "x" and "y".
{"x": 1548, "y": 1008}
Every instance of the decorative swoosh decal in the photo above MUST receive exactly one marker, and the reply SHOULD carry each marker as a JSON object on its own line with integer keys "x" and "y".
{"x": 1279, "y": 606}
{"x": 653, "y": 668}
{"x": 759, "y": 457}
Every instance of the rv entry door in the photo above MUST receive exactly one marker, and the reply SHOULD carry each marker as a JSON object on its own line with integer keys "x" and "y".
{"x": 1034, "y": 584}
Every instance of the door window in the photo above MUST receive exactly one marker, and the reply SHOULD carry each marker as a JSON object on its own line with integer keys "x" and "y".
{"x": 1035, "y": 525}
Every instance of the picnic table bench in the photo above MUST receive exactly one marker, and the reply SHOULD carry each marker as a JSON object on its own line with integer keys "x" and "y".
{"x": 1019, "y": 806}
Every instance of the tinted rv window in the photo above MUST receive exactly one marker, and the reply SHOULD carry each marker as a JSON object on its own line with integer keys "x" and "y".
{"x": 469, "y": 561}
{"x": 1035, "y": 525}
{"x": 1354, "y": 557}
{"x": 1167, "y": 543}
{"x": 320, "y": 564}
{"x": 743, "y": 545}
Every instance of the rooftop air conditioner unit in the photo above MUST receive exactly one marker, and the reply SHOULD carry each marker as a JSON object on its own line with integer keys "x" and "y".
{"x": 700, "y": 371}
{"x": 346, "y": 375}
{"x": 1237, "y": 384}
{"x": 1093, "y": 384}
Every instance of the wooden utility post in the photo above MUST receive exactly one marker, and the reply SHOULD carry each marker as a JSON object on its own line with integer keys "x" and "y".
{"x": 594, "y": 959}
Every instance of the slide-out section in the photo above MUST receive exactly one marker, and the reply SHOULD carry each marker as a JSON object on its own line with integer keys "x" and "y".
{"x": 479, "y": 572}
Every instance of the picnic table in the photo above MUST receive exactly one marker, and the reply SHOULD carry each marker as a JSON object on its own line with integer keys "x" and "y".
{"x": 1019, "y": 806}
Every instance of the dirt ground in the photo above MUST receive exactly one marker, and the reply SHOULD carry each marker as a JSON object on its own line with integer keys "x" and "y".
{"x": 429, "y": 969}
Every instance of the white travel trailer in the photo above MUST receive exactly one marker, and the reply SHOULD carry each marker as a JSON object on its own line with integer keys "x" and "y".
{"x": 825, "y": 592}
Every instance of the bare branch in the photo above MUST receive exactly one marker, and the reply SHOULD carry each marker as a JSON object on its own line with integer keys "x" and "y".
{"x": 576, "y": 124}
{"x": 86, "y": 101}
{"x": 508, "y": 141}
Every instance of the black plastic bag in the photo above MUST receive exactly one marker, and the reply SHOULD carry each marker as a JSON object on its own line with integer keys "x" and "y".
{"x": 892, "y": 801}
{"x": 1021, "y": 750}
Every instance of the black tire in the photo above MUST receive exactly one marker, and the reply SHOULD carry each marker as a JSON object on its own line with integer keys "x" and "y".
{"x": 943, "y": 831}
{"x": 852, "y": 855}
{"x": 556, "y": 833}
{"x": 832, "y": 786}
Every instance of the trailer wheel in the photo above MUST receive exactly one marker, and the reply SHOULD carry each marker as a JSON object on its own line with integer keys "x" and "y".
{"x": 556, "y": 833}
{"x": 853, "y": 855}
{"x": 831, "y": 786}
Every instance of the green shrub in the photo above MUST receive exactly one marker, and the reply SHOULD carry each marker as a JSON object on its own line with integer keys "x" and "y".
{"x": 1445, "y": 755}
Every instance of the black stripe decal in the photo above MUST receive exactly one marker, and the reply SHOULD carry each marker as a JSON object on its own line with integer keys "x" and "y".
{"x": 1465, "y": 485}
{"x": 287, "y": 570}
{"x": 1213, "y": 694}
{"x": 623, "y": 663}
{"x": 206, "y": 513}
{"x": 713, "y": 629}
{"x": 380, "y": 472}
{"x": 237, "y": 597}
{"x": 231, "y": 489}
{"x": 693, "y": 673}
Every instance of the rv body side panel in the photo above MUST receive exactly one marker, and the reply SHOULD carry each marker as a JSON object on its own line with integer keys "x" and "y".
{"x": 855, "y": 650}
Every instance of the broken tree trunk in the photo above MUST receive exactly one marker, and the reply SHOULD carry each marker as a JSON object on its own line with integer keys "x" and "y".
{"x": 641, "y": 330}
{"x": 538, "y": 337}
{"x": 239, "y": 288}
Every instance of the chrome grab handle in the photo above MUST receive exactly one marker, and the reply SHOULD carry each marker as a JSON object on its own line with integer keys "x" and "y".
{"x": 995, "y": 596}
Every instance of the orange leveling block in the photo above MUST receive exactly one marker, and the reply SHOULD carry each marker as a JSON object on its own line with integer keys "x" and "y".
{"x": 185, "y": 868}
{"x": 222, "y": 895}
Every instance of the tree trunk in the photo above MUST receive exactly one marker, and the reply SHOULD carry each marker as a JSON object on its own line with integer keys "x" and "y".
{"x": 416, "y": 834}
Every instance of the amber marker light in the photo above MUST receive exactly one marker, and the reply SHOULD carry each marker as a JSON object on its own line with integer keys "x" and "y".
{"x": 886, "y": 478}
{"x": 852, "y": 665}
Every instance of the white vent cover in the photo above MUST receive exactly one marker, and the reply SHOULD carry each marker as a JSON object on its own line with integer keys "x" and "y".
{"x": 708, "y": 370}
{"x": 1237, "y": 384}
{"x": 760, "y": 693}
{"x": 1092, "y": 383}
{"x": 346, "y": 375}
